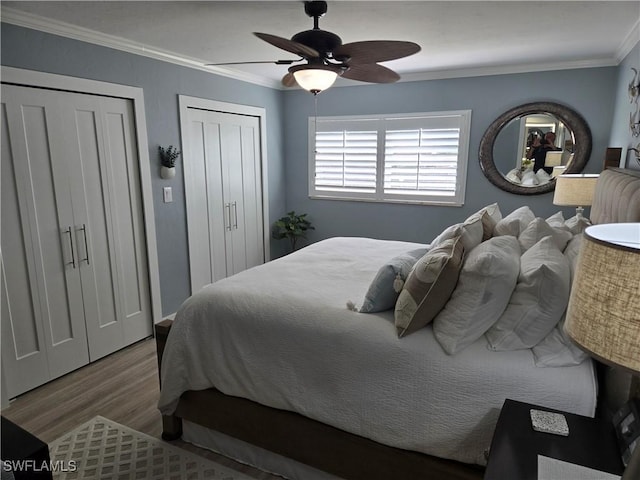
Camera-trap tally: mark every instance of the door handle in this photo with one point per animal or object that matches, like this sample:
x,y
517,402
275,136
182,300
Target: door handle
x,y
227,206
73,258
235,215
86,246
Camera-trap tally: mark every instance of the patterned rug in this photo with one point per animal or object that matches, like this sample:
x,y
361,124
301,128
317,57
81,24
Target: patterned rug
x,y
103,449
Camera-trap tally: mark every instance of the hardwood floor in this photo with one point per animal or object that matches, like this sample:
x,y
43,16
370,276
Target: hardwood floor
x,y
122,387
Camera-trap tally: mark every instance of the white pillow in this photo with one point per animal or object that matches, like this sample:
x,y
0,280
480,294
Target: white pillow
x,y
529,179
556,220
491,215
538,229
558,350
577,224
515,222
487,279
571,253
538,301
514,176
542,176
471,232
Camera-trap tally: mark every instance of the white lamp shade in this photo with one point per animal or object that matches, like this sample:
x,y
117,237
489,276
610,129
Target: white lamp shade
x,y
315,79
575,190
603,316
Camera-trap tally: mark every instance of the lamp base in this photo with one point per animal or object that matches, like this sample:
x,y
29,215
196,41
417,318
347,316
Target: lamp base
x,y
632,472
579,211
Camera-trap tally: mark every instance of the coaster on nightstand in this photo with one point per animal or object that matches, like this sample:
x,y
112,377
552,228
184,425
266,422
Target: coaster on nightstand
x,y
549,422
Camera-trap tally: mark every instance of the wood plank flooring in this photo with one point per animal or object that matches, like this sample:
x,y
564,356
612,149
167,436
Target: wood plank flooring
x,y
122,387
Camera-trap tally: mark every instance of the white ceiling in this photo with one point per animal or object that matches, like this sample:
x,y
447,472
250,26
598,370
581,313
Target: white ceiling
x,y
458,38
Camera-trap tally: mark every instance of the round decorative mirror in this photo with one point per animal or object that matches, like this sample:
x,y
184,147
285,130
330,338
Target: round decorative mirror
x,y
525,148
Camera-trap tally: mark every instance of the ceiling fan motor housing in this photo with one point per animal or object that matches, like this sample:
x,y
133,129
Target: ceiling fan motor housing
x,y
319,40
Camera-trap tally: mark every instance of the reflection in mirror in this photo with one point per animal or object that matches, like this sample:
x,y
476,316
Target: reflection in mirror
x,y
530,143
528,146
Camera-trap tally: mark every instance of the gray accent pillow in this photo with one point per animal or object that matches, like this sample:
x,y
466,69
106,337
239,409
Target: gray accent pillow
x,y
382,295
429,286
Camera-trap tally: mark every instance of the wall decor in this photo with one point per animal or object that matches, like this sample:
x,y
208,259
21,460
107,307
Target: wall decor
x,y
168,159
634,95
508,140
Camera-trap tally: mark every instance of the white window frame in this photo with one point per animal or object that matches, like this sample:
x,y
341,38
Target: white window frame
x,y
383,123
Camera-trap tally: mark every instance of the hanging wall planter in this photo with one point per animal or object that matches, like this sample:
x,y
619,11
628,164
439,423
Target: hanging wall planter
x,y
167,172
168,159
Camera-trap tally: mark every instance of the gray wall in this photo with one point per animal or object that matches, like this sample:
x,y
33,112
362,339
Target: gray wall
x,y
162,83
591,92
620,131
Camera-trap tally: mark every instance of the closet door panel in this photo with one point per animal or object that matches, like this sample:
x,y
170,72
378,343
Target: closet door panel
x,y
91,229
219,215
38,141
24,352
60,298
207,214
126,206
231,142
113,264
222,171
252,194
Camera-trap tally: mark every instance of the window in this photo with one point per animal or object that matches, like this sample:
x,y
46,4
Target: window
x,y
416,158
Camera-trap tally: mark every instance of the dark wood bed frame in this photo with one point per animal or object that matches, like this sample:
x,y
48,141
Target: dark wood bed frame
x,y
340,453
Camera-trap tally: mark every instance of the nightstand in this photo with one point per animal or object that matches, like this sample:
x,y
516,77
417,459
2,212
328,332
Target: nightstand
x,y
515,446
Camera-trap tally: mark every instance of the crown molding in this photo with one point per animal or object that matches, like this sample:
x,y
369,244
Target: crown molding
x,y
56,27
508,69
629,43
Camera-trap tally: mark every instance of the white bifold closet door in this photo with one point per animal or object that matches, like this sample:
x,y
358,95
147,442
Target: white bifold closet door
x,y
74,269
224,195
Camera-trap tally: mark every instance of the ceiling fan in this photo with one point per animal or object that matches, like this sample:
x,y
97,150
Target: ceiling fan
x,y
327,57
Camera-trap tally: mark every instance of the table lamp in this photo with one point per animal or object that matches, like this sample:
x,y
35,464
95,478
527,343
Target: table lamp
x,y
575,190
603,316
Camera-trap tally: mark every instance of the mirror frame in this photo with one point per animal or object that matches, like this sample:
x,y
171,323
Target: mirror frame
x,y
572,119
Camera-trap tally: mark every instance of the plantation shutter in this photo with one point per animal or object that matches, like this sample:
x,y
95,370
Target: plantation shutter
x,y
346,160
422,160
419,158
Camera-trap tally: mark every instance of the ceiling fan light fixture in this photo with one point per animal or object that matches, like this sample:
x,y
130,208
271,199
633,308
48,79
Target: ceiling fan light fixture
x,y
314,78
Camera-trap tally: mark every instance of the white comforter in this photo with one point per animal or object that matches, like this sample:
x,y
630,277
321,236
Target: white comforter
x,y
280,334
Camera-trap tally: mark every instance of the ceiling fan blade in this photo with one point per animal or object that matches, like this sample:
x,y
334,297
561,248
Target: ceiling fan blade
x,y
372,73
275,62
288,45
375,51
289,80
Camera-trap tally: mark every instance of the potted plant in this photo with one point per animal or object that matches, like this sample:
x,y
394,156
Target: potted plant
x,y
168,159
292,227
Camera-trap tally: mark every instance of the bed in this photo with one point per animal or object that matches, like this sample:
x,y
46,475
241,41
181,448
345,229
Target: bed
x,y
273,358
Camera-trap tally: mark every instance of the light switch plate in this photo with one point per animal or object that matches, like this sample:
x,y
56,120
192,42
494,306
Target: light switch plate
x,y
167,195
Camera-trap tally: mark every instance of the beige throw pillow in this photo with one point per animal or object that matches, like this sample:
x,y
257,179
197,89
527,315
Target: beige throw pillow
x,y
429,286
538,301
487,279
